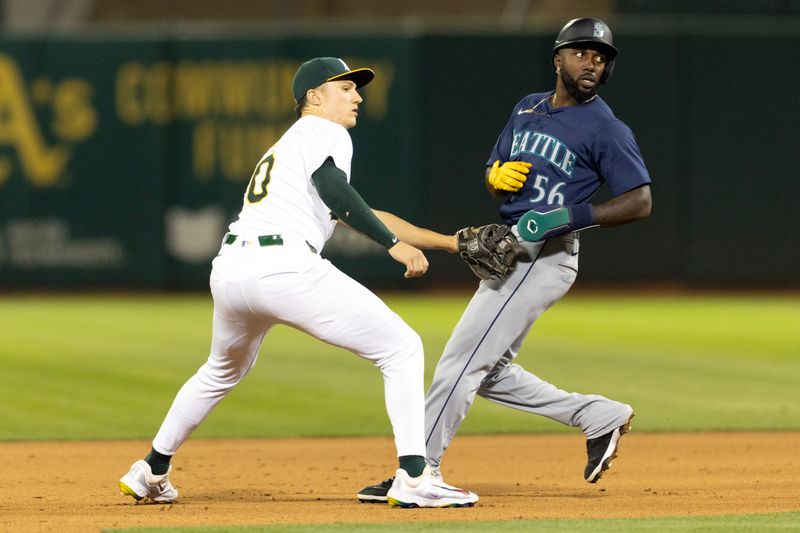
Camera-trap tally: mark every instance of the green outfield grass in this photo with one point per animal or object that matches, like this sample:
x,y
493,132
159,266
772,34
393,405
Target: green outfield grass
x,y
726,524
107,367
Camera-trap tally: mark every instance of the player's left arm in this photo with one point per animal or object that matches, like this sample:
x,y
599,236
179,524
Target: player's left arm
x,y
627,207
547,222
618,159
422,238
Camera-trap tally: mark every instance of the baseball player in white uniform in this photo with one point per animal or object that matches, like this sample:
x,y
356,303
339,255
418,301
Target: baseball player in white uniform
x,y
269,272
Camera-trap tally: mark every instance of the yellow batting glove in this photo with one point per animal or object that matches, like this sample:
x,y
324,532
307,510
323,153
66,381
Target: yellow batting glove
x,y
510,176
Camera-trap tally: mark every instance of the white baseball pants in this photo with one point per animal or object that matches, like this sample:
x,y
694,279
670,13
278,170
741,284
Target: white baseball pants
x,y
255,288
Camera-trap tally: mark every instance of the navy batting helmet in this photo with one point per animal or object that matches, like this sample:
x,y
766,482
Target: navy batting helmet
x,y
590,33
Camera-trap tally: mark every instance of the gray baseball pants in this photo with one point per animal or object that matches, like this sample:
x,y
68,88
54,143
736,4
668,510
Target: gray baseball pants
x,y
478,358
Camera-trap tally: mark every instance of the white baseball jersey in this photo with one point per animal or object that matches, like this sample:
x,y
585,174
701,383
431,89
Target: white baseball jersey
x,y
256,287
281,199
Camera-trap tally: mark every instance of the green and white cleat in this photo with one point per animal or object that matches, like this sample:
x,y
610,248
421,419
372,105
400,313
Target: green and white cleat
x,y
141,484
427,490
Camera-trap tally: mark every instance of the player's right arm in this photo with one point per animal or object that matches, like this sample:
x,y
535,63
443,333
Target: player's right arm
x,y
351,209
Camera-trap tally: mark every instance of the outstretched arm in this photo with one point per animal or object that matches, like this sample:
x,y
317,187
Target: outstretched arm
x,y
419,237
490,251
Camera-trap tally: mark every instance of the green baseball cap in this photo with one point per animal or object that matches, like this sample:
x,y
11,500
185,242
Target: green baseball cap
x,y
319,70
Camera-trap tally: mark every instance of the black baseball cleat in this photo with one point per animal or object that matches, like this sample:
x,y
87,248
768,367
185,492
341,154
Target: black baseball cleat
x,y
602,450
375,493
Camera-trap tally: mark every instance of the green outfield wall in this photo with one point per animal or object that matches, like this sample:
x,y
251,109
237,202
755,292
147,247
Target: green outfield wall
x,y
122,160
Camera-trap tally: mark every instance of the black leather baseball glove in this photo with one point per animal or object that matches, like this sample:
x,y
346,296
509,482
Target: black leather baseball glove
x,y
490,250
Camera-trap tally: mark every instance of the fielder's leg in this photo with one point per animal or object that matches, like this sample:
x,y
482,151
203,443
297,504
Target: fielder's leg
x,y
236,336
338,310
346,314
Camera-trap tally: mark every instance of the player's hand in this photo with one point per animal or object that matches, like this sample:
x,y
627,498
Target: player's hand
x,y
415,261
510,176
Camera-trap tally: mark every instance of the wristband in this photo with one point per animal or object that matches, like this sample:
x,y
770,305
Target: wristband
x,y
581,216
551,221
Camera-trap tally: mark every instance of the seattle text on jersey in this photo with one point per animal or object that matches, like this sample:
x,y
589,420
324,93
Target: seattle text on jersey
x,y
544,146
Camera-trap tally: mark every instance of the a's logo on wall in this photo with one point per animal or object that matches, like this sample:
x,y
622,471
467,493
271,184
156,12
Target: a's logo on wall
x,y
193,236
40,124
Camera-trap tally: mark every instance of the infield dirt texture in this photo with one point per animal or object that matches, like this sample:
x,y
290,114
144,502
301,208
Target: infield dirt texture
x,y
70,487
85,382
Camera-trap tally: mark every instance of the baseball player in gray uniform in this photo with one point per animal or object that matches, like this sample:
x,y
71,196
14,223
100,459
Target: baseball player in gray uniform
x,y
269,272
555,152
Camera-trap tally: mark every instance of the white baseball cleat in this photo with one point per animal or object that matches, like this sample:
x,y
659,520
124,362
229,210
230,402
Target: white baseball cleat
x,y
142,484
427,490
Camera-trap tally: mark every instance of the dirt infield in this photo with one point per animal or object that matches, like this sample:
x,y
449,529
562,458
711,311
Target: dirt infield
x,y
72,486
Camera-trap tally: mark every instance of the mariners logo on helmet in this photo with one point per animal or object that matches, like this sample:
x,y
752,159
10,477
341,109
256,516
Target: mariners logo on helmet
x,y
599,29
